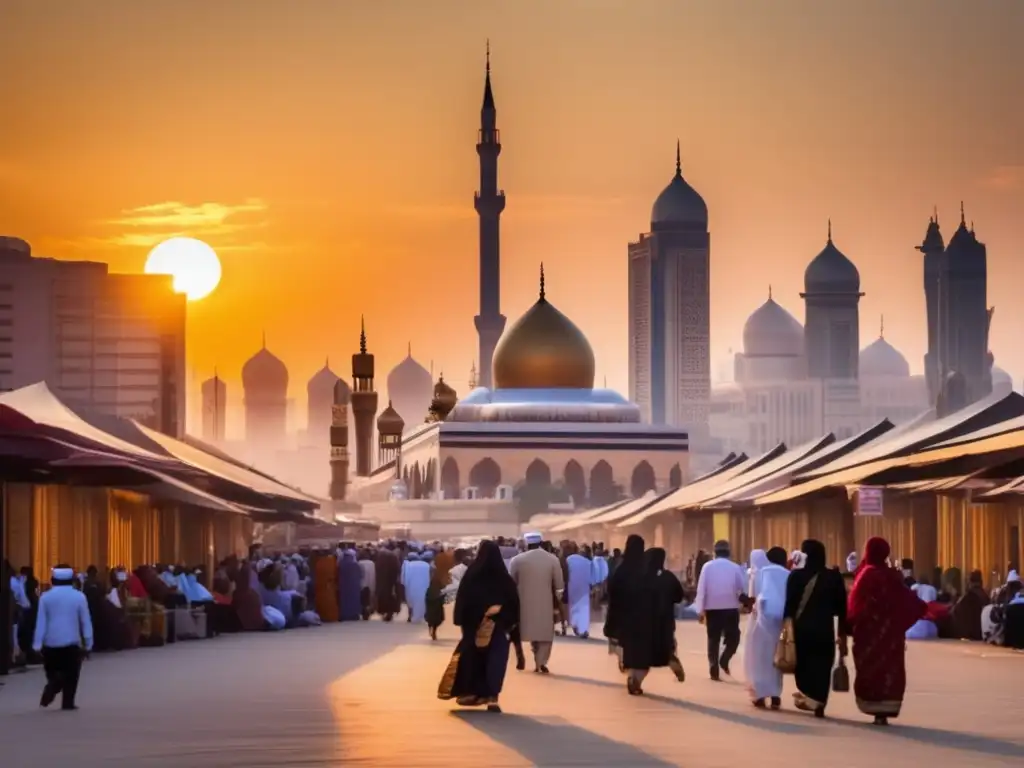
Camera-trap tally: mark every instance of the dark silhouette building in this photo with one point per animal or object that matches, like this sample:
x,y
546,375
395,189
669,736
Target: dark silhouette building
x,y
670,310
832,316
364,405
339,436
214,394
489,203
956,285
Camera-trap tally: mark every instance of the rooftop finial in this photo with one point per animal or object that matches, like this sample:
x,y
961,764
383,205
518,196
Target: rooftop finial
x,y
679,160
769,291
881,327
408,349
542,298
488,55
962,217
362,335
830,229
264,339
327,361
935,214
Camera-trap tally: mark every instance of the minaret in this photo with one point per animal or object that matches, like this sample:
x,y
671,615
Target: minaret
x,y
489,203
339,441
933,249
364,404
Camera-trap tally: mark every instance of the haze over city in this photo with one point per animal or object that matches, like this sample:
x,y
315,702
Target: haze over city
x,y
326,151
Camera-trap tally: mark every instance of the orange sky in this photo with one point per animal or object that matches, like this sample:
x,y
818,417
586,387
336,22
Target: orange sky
x,y
326,150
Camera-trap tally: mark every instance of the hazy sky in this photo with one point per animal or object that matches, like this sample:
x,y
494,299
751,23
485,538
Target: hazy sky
x,y
326,150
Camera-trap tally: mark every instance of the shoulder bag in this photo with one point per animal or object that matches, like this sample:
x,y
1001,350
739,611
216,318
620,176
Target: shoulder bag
x,y
785,650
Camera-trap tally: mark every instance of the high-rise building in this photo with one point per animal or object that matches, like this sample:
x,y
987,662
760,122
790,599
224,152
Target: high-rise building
x,y
670,310
489,203
111,343
214,394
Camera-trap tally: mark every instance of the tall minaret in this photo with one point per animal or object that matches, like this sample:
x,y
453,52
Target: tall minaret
x,y
489,203
339,441
364,404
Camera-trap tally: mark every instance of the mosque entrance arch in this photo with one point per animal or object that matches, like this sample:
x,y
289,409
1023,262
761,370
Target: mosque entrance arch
x,y
450,478
603,490
485,476
575,482
642,480
534,494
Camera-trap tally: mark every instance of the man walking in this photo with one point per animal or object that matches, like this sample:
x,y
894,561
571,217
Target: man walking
x,y
63,629
538,577
721,589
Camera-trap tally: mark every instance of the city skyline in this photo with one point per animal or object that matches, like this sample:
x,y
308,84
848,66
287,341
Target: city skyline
x,y
347,217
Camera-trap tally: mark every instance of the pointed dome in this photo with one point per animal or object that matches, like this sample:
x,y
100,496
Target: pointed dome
x,y
445,397
543,349
880,358
831,271
409,377
323,381
679,204
771,331
389,422
264,371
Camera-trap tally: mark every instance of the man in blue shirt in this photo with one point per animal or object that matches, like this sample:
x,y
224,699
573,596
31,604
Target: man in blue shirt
x,y
63,629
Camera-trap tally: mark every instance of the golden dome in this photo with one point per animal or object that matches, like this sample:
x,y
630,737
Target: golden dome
x,y
390,422
543,350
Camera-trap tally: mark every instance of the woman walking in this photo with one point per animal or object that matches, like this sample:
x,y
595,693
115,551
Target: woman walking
x,y
654,607
880,612
815,598
768,590
440,577
486,609
622,588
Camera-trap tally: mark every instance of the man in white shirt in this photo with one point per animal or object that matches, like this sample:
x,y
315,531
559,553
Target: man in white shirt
x,y
721,591
63,629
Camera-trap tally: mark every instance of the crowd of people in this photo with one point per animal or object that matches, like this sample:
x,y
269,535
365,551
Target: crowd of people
x,y
508,593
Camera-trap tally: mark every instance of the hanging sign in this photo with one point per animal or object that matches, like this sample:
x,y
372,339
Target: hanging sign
x,y
870,501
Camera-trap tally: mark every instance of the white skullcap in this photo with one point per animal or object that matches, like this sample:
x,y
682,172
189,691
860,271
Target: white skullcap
x,y
1012,576
533,538
63,574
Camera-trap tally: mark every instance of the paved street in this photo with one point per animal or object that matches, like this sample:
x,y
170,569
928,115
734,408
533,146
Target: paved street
x,y
364,694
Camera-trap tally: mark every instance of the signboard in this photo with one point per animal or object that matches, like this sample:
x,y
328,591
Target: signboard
x,y
870,501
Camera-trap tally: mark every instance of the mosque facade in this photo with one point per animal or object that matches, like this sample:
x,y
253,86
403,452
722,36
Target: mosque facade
x,y
670,310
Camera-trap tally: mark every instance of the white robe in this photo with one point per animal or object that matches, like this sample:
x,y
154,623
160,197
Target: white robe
x,y
580,581
416,579
768,587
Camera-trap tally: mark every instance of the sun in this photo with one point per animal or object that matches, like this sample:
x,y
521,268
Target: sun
x,y
192,263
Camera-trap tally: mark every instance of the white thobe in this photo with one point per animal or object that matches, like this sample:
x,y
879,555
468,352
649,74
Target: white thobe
x,y
580,581
416,579
768,587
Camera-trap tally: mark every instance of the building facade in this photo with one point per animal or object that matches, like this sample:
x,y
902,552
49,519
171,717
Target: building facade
x,y
112,343
670,311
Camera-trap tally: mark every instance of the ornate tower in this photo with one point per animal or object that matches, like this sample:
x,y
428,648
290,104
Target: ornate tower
x,y
489,203
390,426
339,440
364,404
933,248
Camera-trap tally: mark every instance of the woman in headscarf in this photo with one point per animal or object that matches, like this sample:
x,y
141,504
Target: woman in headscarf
x,y
440,577
486,609
623,588
815,598
350,587
967,611
880,612
768,590
654,607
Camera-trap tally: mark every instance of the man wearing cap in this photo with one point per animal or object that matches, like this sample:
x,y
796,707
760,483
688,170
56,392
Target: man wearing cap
x,y
721,590
538,576
63,629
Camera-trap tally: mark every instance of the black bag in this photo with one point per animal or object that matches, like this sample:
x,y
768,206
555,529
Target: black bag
x,y
841,677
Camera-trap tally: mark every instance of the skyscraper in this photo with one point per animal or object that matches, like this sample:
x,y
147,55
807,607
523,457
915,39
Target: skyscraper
x,y
215,408
670,310
489,203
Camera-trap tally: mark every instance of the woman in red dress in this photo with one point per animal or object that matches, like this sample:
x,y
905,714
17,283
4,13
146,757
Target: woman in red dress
x,y
881,610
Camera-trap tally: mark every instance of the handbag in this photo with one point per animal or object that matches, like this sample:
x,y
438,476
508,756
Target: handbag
x,y
841,677
785,650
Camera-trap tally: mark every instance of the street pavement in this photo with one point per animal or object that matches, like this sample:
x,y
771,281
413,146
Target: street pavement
x,y
365,694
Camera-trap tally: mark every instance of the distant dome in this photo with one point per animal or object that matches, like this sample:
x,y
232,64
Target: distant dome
x,y
880,358
264,371
409,377
543,350
679,204
772,332
831,271
390,422
322,383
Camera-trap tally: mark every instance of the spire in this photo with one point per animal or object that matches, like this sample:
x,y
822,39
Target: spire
x,y
679,160
769,291
830,230
362,335
327,361
264,339
542,298
488,94
408,349
881,328
963,222
935,214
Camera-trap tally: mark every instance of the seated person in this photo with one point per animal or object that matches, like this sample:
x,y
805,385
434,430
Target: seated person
x,y
967,610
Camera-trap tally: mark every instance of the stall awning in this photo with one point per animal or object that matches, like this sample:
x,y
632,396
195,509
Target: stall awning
x,y
580,519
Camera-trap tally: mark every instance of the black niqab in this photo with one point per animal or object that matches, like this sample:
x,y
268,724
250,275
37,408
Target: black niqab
x,y
486,582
